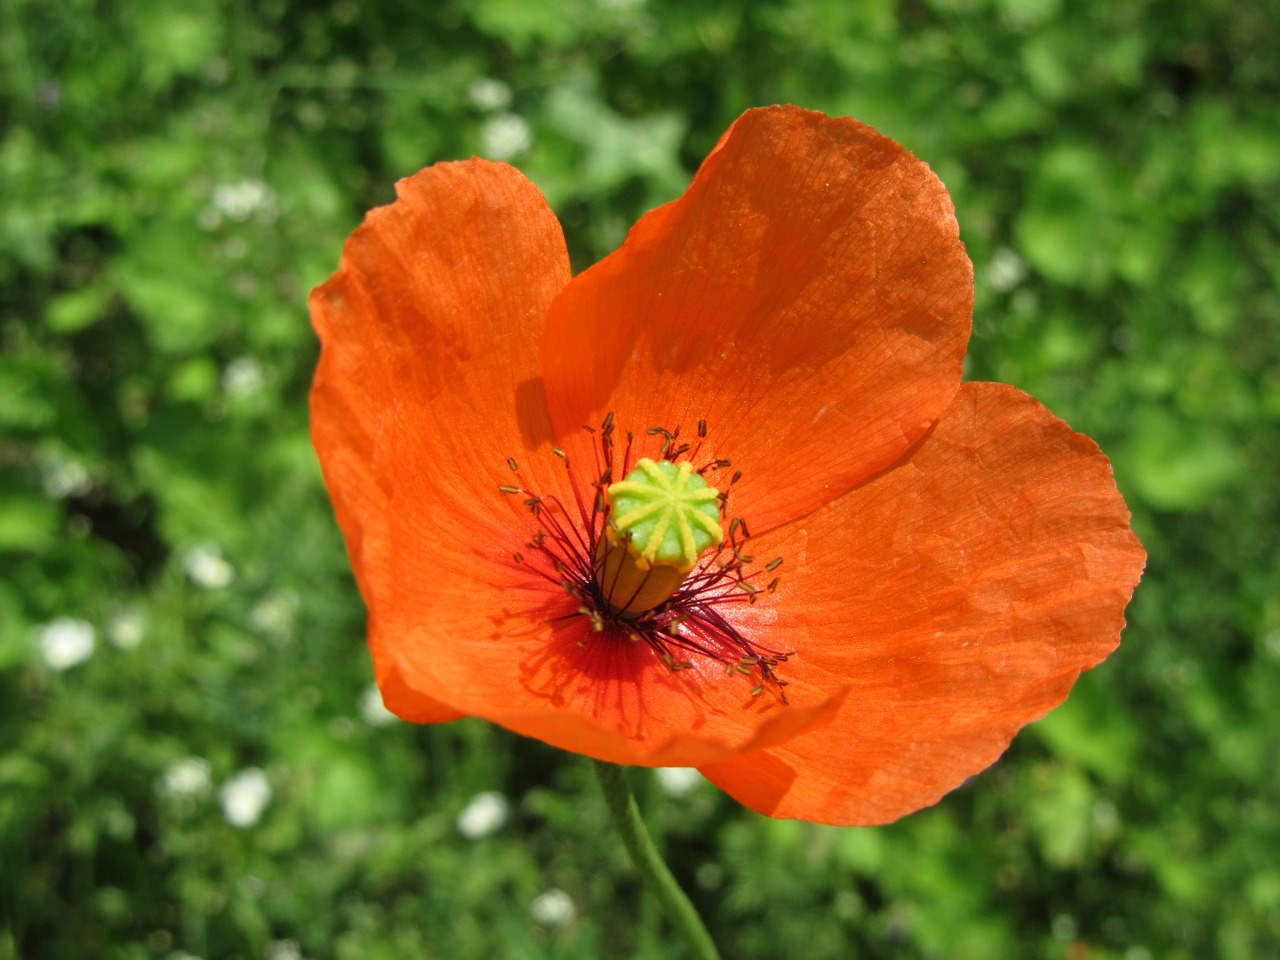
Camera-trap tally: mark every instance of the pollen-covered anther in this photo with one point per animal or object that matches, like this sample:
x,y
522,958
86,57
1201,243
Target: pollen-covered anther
x,y
662,517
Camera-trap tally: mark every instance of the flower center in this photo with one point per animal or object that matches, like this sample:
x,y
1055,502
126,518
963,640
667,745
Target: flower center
x,y
662,517
648,559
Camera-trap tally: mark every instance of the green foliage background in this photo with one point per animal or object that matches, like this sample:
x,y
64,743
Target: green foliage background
x,y
174,177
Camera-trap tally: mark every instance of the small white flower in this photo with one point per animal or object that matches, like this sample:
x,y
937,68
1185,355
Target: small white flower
x,y
283,950
1065,928
244,797
484,815
274,613
239,201
186,778
1006,270
206,568
48,95
709,876
65,642
1106,818
234,249
63,476
487,93
243,377
372,709
126,629
677,782
209,219
505,136
554,908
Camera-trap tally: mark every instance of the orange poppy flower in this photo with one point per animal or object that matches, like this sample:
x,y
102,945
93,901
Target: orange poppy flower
x,y
793,328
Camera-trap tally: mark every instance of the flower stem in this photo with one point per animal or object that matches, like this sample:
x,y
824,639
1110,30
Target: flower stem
x,y
657,875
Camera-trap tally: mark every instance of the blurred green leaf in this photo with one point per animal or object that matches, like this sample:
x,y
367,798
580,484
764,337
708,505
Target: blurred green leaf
x,y
77,309
1094,730
27,522
1176,465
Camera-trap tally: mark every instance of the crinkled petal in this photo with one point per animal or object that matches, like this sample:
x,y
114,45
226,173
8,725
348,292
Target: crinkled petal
x,y
429,379
959,595
428,382
808,297
599,693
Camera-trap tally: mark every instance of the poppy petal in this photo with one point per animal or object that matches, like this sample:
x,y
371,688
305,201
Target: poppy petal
x,y
959,594
808,296
429,378
428,382
595,693
406,702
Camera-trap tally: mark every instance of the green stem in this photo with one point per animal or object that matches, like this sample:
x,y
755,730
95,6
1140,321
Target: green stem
x,y
657,876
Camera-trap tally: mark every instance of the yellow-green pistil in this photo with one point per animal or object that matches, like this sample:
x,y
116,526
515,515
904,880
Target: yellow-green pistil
x,y
662,517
